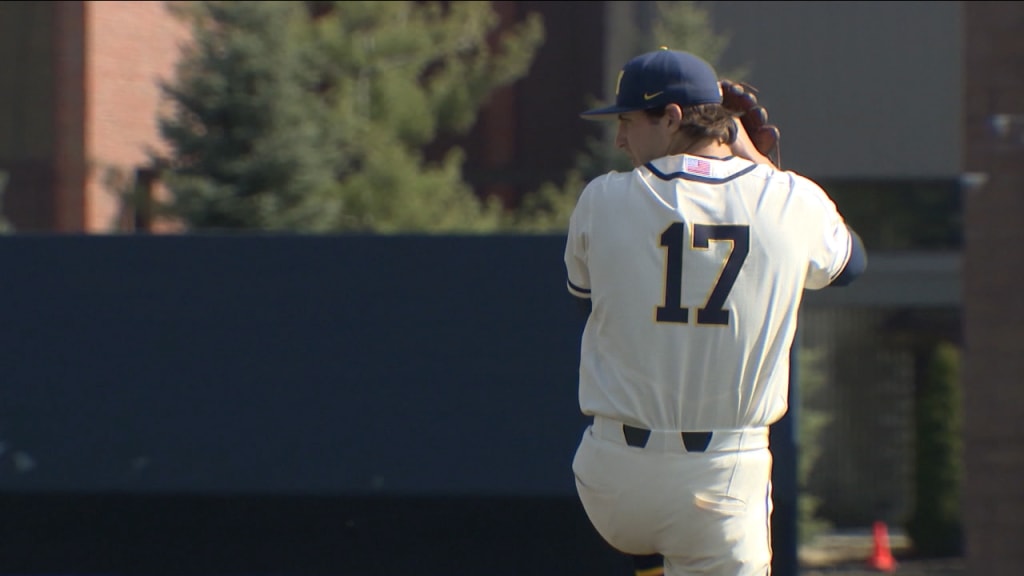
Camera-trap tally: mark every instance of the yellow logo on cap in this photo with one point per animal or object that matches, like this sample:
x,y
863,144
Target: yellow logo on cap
x,y
618,81
655,95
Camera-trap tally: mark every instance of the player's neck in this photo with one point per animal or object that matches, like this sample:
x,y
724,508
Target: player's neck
x,y
709,147
713,149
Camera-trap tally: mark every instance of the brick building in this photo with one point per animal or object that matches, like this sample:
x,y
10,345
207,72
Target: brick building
x,y
79,100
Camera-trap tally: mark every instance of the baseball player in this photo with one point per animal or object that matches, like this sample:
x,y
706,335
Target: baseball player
x,y
691,268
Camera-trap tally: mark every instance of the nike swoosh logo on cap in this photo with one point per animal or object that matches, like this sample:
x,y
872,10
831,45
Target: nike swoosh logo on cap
x,y
655,95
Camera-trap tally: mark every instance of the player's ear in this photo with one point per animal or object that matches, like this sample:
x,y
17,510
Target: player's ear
x,y
674,114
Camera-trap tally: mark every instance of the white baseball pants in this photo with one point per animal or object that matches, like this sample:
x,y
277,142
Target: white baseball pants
x,y
707,513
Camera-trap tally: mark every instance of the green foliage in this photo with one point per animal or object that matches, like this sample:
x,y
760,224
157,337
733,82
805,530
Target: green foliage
x,y
811,424
286,121
935,524
688,26
683,26
547,210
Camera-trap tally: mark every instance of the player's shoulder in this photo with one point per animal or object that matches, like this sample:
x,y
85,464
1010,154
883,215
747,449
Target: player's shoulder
x,y
608,183
800,182
800,187
594,190
610,180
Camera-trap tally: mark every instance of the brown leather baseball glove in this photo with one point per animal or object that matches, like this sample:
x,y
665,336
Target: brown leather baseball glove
x,y
740,98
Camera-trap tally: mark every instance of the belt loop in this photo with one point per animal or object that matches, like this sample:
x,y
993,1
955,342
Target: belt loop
x,y
636,437
696,441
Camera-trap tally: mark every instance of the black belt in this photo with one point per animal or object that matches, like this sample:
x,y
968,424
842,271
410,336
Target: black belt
x,y
694,441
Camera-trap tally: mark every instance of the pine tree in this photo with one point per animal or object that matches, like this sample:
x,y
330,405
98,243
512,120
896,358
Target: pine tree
x,y
313,116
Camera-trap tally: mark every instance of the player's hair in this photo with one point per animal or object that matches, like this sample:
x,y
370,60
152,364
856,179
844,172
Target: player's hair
x,y
703,121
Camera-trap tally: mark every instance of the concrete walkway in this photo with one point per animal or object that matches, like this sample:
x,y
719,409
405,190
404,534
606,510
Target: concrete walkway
x,y
847,552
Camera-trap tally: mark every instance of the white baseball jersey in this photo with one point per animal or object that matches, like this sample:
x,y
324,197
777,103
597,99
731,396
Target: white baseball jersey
x,y
695,268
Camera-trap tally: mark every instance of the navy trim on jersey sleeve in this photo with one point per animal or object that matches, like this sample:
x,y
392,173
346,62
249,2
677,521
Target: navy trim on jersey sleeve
x,y
577,291
581,296
695,178
855,264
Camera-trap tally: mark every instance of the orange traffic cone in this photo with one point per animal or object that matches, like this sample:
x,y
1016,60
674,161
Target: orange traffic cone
x,y
881,558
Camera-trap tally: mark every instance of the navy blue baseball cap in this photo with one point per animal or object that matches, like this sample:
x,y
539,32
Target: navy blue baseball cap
x,y
662,77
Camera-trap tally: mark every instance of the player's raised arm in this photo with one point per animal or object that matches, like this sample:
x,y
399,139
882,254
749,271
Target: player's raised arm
x,y
743,147
756,139
855,264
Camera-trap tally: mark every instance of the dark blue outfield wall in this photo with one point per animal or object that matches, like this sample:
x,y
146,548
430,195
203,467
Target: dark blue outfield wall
x,y
286,404
337,405
287,365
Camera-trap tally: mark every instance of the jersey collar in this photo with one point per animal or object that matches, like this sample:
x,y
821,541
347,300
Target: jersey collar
x,y
699,168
